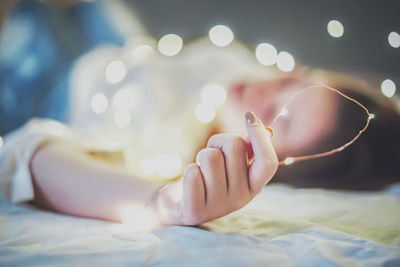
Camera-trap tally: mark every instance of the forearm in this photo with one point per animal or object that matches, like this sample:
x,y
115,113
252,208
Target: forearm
x,y
69,181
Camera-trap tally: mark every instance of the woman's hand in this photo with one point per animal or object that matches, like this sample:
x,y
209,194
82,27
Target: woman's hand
x,y
229,173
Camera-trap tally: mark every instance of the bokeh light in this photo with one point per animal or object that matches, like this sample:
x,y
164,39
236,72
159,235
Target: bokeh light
x,y
388,88
99,103
289,160
142,51
170,44
115,71
394,39
122,118
221,35
266,54
335,28
204,112
213,94
285,61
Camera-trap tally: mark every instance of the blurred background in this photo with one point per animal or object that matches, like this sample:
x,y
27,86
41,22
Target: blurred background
x,y
299,27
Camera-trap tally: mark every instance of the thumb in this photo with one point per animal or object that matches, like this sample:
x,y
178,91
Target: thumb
x,y
265,161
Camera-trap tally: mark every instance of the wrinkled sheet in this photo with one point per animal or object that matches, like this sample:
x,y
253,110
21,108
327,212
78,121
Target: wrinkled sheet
x,y
281,227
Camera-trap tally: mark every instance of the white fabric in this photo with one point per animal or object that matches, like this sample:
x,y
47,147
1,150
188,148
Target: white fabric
x,y
19,146
280,227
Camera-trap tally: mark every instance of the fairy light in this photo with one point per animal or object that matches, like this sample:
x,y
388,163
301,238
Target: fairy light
x,y
284,112
170,44
99,103
288,160
142,51
335,28
266,54
285,61
370,116
388,88
115,71
213,94
394,39
204,112
221,35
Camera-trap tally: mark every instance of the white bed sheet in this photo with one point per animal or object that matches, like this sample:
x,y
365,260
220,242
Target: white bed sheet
x,y
280,227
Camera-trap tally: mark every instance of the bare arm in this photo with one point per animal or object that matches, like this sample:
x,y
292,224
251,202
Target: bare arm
x,y
69,181
229,173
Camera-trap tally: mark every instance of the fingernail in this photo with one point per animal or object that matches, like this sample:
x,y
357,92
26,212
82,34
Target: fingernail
x,y
250,118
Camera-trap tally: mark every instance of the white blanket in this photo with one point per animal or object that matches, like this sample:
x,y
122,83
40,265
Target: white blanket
x,y
280,227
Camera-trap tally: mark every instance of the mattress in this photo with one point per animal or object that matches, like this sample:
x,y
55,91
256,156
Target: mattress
x,y
282,226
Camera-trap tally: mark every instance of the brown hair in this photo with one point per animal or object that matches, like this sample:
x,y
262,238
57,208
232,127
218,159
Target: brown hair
x,y
371,163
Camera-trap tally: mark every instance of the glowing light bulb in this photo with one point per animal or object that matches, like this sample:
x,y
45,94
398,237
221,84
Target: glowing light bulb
x,y
335,28
213,94
284,112
266,54
170,44
285,61
221,35
289,160
1,142
394,39
122,118
99,103
388,88
371,116
142,51
204,112
115,71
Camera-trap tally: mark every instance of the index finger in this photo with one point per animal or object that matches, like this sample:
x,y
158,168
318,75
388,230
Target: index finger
x,y
265,161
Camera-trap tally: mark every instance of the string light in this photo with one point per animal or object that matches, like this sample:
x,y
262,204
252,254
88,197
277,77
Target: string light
x,y
285,61
394,39
221,35
335,28
204,112
290,160
388,88
170,44
99,103
266,54
115,71
213,94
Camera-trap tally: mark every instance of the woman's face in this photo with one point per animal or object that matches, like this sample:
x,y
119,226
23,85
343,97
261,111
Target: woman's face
x,y
310,116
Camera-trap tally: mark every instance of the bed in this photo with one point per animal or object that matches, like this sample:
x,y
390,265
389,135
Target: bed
x,y
282,226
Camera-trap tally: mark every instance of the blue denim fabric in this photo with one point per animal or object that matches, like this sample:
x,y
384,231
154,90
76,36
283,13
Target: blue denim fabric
x,y
38,46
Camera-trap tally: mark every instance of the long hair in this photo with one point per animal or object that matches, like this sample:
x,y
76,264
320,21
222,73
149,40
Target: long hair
x,y
371,163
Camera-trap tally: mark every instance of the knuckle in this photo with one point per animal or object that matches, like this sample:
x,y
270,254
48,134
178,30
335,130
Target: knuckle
x,y
237,145
214,139
192,171
210,156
